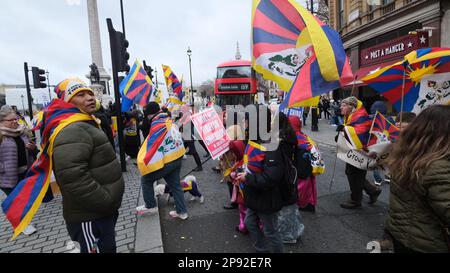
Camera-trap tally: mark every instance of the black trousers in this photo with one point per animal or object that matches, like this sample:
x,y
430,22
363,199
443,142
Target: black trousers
x,y
96,236
358,182
203,145
193,151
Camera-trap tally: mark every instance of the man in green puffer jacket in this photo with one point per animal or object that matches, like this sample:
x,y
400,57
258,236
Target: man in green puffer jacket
x,y
88,174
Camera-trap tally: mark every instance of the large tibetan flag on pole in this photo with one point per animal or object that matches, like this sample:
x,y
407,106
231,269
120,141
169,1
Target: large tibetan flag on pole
x,y
174,84
296,50
136,87
420,80
24,201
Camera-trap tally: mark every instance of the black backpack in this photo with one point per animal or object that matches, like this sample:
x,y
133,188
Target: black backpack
x,y
302,162
289,182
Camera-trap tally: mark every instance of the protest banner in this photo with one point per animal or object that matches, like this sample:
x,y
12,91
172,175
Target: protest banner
x,y
211,130
360,158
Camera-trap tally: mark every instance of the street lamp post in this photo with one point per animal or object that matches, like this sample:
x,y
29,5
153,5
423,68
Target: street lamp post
x,y
48,84
189,53
23,105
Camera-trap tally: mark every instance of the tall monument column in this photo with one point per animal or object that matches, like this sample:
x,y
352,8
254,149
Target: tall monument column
x,y
96,49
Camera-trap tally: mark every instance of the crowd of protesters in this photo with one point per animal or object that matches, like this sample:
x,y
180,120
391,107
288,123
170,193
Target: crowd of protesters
x,y
271,188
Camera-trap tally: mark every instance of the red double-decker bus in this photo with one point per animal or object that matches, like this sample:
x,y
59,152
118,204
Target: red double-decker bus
x,y
235,83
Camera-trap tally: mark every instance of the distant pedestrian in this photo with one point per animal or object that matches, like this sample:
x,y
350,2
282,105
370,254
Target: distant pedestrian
x,y
419,214
87,172
105,122
132,134
305,115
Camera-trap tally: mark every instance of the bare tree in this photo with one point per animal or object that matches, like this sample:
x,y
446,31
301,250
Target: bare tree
x,y
206,89
320,9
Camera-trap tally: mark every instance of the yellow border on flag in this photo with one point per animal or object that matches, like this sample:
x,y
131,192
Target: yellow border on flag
x,y
321,44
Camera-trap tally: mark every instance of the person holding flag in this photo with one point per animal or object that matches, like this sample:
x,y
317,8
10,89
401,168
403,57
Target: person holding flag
x,y
356,127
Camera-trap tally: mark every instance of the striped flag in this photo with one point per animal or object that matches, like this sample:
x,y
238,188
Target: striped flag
x,y
420,80
174,84
299,52
21,205
383,130
137,87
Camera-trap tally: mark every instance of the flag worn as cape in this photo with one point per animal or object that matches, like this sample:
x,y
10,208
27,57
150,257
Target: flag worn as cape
x,y
21,205
162,145
357,126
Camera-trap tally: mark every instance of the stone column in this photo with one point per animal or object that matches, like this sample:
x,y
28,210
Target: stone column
x,y
96,45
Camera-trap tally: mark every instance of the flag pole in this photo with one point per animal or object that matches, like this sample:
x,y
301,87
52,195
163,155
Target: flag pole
x,y
403,95
353,86
371,127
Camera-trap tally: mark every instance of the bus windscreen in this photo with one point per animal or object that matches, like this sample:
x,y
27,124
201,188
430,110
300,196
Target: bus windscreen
x,y
234,72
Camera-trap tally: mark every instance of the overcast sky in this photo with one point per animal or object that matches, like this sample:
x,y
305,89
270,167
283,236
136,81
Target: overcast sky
x,y
54,35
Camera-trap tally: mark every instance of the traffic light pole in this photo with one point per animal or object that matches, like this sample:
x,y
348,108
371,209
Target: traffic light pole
x,y
117,94
29,98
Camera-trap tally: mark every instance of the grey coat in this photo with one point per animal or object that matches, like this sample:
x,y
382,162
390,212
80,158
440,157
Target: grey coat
x,y
8,161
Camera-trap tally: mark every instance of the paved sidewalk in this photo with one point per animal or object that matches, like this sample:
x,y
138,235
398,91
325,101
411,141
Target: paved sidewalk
x,y
325,135
133,234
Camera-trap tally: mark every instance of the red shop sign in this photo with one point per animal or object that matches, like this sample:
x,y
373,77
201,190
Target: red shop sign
x,y
394,49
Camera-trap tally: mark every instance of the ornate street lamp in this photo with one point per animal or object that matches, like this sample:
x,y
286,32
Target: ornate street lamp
x,y
189,53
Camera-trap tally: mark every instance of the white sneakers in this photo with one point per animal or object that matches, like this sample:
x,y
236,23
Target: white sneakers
x,y
141,210
30,229
201,199
182,216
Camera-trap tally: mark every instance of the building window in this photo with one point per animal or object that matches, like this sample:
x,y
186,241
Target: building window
x,y
388,6
341,13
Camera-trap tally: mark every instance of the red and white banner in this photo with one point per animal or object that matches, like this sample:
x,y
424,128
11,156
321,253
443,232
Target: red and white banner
x,y
210,128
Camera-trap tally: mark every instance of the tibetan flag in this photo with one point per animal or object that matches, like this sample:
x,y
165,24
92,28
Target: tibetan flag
x,y
421,79
21,205
299,52
305,142
174,84
162,145
37,121
254,156
357,127
383,130
137,86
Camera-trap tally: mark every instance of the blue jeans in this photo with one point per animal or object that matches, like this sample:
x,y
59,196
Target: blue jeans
x,y
377,176
171,174
270,227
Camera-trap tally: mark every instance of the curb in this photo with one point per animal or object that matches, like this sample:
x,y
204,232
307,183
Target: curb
x,y
148,232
